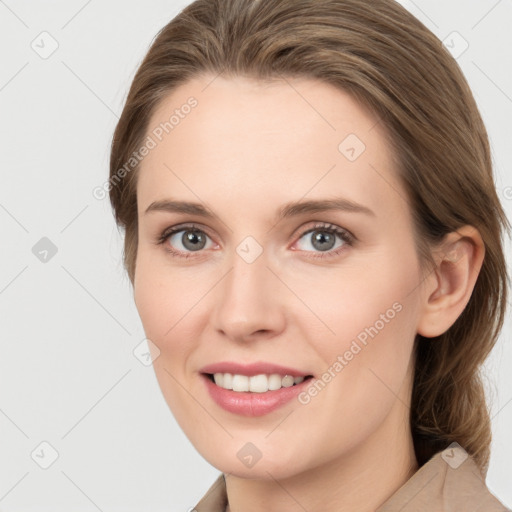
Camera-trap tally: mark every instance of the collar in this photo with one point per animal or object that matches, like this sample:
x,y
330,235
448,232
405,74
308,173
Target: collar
x,y
449,481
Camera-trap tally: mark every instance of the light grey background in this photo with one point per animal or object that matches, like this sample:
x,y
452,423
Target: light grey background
x,y
68,328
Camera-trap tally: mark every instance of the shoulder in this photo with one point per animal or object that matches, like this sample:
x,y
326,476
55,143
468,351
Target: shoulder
x,y
215,499
449,481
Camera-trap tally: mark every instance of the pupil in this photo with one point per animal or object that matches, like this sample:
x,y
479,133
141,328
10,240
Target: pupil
x,y
193,240
320,239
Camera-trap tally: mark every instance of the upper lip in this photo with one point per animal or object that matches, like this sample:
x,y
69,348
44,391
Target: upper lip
x,y
252,369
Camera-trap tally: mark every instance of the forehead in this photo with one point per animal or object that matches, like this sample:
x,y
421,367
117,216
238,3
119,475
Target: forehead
x,y
223,139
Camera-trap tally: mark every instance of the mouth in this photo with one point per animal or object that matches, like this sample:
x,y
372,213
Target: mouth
x,y
262,383
254,395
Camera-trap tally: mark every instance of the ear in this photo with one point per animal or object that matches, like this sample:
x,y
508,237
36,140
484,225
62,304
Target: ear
x,y
448,288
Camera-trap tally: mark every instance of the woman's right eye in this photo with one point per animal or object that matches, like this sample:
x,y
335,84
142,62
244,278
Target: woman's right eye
x,y
183,241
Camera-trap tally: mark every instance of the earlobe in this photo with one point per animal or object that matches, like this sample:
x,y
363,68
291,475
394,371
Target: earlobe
x,y
449,287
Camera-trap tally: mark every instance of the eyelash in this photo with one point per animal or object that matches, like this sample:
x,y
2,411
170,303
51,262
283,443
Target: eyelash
x,y
345,236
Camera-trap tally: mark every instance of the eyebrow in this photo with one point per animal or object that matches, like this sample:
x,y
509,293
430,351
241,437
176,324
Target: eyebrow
x,y
288,210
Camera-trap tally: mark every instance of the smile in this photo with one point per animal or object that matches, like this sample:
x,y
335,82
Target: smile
x,y
256,383
254,403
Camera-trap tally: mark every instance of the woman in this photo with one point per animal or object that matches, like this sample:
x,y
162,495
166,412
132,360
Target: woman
x,y
314,241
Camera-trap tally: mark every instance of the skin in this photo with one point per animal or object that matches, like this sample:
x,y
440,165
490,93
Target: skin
x,y
244,151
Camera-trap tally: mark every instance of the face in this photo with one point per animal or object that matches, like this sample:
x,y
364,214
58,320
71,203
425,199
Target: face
x,y
276,275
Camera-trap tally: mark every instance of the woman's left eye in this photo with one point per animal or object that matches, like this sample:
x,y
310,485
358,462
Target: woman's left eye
x,y
321,238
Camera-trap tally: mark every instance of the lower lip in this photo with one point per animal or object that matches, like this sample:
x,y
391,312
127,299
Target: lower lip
x,y
253,404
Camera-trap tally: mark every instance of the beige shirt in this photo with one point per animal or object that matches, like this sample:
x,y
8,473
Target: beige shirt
x,y
443,484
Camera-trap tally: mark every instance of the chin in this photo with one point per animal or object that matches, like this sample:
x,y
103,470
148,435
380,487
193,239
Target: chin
x,y
244,459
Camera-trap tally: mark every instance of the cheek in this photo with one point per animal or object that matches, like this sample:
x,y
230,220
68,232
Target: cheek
x,y
367,358
368,325
345,302
163,307
172,305
159,299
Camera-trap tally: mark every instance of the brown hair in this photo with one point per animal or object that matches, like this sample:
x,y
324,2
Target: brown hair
x,y
389,61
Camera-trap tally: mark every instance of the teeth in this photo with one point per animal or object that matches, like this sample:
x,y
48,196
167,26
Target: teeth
x,y
240,383
257,383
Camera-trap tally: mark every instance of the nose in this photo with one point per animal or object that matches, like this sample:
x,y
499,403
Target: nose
x,y
249,303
